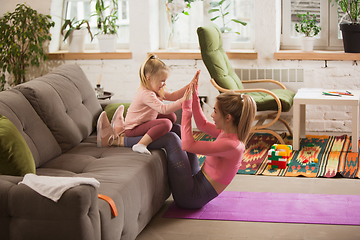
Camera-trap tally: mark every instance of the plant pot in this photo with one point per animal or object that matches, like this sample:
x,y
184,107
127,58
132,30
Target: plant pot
x,y
307,44
77,40
351,37
107,42
226,37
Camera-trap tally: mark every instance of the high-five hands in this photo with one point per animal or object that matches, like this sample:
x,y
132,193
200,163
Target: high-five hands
x,y
191,87
195,80
189,92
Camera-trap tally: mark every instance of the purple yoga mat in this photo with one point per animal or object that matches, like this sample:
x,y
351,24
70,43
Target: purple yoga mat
x,y
276,207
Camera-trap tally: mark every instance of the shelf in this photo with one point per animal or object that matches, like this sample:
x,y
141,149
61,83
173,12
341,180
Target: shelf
x,y
89,55
185,54
196,55
316,55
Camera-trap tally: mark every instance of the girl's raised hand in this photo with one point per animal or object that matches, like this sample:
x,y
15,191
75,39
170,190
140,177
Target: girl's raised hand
x,y
188,93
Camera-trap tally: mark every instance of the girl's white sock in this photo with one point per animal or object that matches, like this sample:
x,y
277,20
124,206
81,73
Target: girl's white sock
x,y
141,148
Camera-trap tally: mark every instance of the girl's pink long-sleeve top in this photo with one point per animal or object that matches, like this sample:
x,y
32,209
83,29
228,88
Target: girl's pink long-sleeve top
x,y
146,106
223,156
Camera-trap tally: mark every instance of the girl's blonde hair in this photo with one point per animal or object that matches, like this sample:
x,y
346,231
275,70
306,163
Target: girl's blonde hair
x,y
152,66
242,108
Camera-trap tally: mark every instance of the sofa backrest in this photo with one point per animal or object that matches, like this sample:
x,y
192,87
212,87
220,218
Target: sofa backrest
x,y
37,135
66,102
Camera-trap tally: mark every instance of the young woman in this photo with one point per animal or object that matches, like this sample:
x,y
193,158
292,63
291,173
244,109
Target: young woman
x,y
147,115
193,187
233,116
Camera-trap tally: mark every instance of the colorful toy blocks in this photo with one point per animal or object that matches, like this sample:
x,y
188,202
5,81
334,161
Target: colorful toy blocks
x,y
311,162
279,156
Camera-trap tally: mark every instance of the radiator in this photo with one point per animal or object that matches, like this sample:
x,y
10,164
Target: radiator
x,y
281,75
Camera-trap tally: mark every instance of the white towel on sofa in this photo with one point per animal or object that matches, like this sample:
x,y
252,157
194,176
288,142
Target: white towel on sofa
x,y
54,187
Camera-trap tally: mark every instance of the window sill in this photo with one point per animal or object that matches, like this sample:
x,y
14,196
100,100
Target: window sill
x,y
316,55
162,54
196,55
90,55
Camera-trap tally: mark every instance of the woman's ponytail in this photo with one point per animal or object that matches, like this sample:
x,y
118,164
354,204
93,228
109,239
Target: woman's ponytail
x,y
247,117
242,108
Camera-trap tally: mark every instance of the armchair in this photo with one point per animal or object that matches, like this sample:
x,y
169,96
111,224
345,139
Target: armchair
x,y
270,102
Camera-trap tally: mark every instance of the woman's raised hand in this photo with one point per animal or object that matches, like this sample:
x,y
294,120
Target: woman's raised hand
x,y
195,80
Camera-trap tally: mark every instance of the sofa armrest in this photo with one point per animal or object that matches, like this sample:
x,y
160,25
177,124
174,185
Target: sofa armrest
x,y
25,214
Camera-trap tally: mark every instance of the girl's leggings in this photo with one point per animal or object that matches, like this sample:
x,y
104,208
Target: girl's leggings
x,y
189,186
154,128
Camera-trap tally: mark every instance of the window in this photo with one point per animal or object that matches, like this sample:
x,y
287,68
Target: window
x,y
83,9
328,39
198,16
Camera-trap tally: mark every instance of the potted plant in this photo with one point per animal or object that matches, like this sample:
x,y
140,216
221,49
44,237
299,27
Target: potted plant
x,y
221,9
106,23
22,37
76,33
308,26
350,24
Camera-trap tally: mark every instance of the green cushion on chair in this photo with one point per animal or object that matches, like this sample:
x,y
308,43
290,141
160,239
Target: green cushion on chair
x,y
215,58
16,158
111,108
266,102
220,69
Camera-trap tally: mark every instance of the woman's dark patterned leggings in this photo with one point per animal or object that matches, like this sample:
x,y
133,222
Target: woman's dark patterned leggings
x,y
189,186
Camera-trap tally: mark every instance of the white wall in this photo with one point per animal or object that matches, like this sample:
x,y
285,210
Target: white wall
x,y
121,76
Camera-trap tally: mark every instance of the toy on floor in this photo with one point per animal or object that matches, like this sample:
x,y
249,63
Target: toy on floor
x,y
279,156
311,162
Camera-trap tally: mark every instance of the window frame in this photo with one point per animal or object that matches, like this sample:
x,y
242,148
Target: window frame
x,y
163,26
94,45
328,39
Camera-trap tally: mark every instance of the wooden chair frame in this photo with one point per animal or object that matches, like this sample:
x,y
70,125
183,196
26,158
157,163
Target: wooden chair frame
x,y
261,118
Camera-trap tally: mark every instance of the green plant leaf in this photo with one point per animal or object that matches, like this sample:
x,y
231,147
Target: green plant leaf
x,y
221,2
227,6
238,21
213,19
214,10
214,4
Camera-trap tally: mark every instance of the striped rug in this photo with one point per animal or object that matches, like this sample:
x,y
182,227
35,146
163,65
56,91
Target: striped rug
x,y
334,155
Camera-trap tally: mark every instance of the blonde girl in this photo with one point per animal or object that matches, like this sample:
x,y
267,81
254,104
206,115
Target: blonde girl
x,y
147,115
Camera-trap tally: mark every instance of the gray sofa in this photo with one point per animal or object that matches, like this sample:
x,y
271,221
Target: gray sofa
x,y
56,114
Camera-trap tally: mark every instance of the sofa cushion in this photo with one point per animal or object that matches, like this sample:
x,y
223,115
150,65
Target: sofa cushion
x,y
38,137
111,108
66,102
15,156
